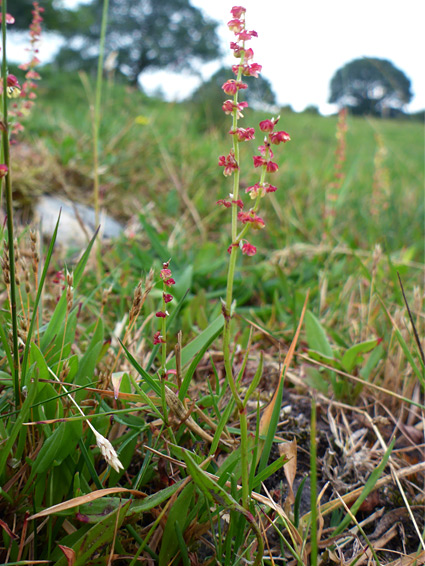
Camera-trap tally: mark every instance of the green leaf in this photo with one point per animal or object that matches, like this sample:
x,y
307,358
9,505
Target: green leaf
x,y
154,500
151,381
209,339
57,447
176,516
58,316
316,336
97,537
17,427
37,302
271,430
267,472
353,355
419,374
88,361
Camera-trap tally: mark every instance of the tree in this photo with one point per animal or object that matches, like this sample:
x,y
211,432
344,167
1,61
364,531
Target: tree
x,y
371,86
144,34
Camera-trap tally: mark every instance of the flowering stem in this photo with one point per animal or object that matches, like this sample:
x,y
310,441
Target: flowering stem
x,y
96,123
9,209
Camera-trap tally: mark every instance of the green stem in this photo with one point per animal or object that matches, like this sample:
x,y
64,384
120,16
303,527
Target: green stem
x,y
243,421
313,485
96,120
9,209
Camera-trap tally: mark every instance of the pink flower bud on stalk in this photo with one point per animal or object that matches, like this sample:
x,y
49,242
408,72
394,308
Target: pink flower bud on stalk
x,y
25,94
230,162
247,219
160,337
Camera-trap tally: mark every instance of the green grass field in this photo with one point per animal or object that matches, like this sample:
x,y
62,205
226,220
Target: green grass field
x,y
356,352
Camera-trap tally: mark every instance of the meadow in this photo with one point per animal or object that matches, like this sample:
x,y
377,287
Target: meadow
x,y
117,447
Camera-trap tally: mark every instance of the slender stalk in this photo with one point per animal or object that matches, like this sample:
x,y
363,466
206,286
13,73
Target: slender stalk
x,y
96,121
9,209
313,483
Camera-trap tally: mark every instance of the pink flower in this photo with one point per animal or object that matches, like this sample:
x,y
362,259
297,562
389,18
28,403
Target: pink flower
x,y
249,249
231,86
3,171
258,161
161,314
229,106
252,70
253,191
229,249
225,203
238,203
272,167
229,163
264,149
165,273
279,137
249,54
167,297
9,19
169,282
13,81
267,125
235,25
243,134
245,35
157,338
252,218
260,188
32,75
237,11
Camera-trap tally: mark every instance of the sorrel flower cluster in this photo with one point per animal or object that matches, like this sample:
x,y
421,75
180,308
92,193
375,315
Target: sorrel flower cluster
x,y
25,93
167,282
230,162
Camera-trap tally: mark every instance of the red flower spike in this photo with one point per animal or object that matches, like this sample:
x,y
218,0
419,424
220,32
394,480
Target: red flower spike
x,y
167,297
225,203
238,203
161,314
169,282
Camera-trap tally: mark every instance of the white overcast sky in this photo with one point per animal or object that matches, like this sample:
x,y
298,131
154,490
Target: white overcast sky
x,y
301,43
